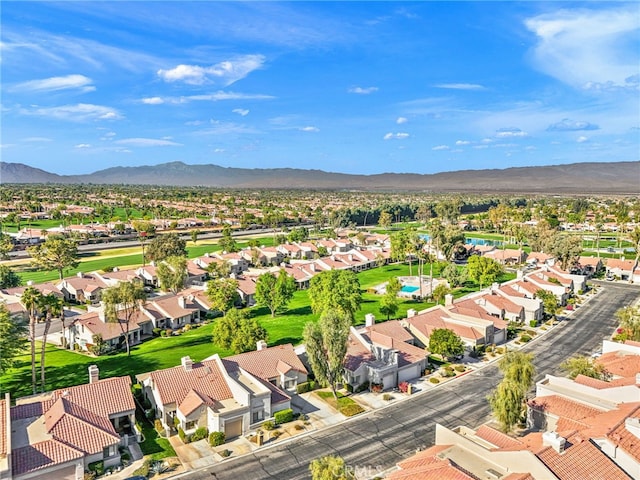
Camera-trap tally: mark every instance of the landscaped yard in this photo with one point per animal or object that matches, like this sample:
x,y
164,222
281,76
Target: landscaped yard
x,y
159,448
344,405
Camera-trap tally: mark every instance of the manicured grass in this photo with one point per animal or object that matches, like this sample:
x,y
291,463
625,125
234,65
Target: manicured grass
x,y
66,368
344,405
154,445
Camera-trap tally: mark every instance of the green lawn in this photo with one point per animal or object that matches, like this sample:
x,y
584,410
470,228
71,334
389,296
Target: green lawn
x,y
158,447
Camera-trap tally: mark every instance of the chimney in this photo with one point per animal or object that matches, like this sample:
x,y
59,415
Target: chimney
x,y
553,440
519,274
632,425
495,286
94,373
152,263
448,300
312,267
187,363
29,283
101,315
233,275
369,320
182,301
411,312
116,269
261,345
79,274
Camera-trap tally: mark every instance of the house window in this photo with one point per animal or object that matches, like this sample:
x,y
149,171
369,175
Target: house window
x,y
289,384
356,380
109,451
190,425
258,416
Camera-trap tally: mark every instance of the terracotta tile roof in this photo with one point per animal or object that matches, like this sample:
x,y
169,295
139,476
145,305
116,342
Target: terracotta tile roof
x,y
3,427
601,384
407,353
391,328
121,275
625,439
192,401
497,438
522,286
79,428
632,342
246,284
589,261
503,304
109,330
44,288
538,256
564,408
170,306
357,353
42,455
92,396
269,362
519,476
427,466
620,364
581,460
173,384
427,322
620,264
511,292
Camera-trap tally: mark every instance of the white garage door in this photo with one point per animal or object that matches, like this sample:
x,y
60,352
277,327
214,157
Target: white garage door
x,y
388,381
233,428
409,373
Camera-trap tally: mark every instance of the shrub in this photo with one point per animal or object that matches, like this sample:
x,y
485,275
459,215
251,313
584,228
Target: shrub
x,y
275,434
158,426
387,397
225,453
499,350
157,331
268,425
136,389
169,332
283,416
525,338
97,468
216,438
376,387
531,333
306,387
351,410
533,323
488,349
159,467
199,434
163,333
183,436
459,368
299,427
89,475
150,413
434,380
186,328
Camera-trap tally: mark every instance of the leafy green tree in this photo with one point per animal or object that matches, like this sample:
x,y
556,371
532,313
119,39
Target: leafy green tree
x,y
326,345
385,219
165,246
453,275
238,333
298,234
227,242
194,235
330,468
549,302
31,299
483,270
223,294
6,245
446,343
219,269
566,249
629,318
9,278
507,402
56,253
13,339
275,292
440,292
393,286
337,290
121,302
518,366
389,305
172,274
50,307
581,365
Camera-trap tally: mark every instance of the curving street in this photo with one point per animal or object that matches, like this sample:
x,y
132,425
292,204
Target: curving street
x,y
376,441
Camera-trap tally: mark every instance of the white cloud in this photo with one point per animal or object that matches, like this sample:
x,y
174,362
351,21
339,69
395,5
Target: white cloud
x,y
241,111
510,132
460,86
399,136
147,142
588,48
401,120
153,100
78,113
463,142
219,150
363,90
440,147
567,125
309,129
224,73
53,84
83,145
582,139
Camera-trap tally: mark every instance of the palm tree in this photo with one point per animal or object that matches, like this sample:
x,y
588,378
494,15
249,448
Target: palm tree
x,y
125,298
51,307
31,300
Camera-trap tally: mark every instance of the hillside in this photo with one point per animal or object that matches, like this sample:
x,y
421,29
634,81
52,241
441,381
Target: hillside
x,y
616,177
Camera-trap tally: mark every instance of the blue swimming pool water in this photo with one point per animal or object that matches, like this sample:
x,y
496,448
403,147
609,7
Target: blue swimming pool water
x,y
409,289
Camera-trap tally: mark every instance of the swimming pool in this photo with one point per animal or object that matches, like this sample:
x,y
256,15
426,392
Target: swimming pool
x,y
409,289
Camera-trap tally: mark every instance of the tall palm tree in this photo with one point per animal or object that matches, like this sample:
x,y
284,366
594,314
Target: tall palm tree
x,y
51,307
31,300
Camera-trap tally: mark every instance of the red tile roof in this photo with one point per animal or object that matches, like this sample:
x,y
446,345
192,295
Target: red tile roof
x,y
42,455
497,438
563,407
624,439
269,362
357,353
427,465
620,363
205,378
92,396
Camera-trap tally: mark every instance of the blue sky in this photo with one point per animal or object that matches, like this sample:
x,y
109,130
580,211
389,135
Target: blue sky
x,y
354,87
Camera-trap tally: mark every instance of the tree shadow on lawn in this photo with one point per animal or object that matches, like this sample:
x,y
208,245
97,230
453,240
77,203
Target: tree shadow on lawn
x,y
285,340
306,310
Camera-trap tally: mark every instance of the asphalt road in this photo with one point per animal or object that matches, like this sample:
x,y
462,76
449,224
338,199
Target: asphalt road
x,y
378,440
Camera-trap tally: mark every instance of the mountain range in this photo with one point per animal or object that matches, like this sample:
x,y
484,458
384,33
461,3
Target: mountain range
x,y
587,177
